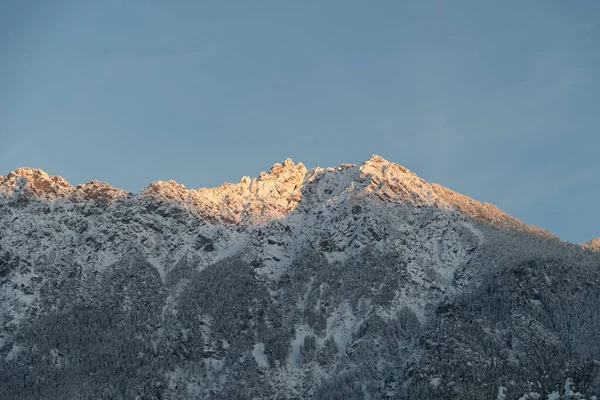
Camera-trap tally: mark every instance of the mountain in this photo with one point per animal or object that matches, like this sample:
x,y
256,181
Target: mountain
x,y
357,281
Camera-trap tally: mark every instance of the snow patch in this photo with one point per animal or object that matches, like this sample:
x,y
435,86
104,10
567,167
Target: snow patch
x,y
341,325
301,332
258,352
501,393
435,382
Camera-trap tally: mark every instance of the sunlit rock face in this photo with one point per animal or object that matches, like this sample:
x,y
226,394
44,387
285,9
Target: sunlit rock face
x,y
26,182
99,192
270,196
355,281
485,212
35,184
592,244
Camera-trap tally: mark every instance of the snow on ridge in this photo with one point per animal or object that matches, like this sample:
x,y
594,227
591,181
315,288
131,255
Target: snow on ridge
x,y
286,188
37,184
271,194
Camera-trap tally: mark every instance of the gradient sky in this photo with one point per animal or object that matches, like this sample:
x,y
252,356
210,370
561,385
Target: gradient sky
x,y
496,100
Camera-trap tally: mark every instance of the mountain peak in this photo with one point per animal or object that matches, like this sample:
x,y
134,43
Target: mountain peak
x,y
392,182
284,169
375,158
25,171
27,183
592,244
30,182
286,165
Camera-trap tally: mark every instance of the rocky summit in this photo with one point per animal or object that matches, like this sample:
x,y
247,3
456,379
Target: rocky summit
x,y
350,282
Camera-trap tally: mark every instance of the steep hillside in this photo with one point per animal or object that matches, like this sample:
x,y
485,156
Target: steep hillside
x,y
358,281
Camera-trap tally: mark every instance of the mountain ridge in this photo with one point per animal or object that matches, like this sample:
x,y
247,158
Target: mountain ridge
x,y
271,195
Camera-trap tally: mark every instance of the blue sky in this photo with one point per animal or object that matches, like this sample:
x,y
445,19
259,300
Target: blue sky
x,y
497,100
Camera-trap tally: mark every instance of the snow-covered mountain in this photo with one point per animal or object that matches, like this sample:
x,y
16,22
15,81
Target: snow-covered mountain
x,y
358,281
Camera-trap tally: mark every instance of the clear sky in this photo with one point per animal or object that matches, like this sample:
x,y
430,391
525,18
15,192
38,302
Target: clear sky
x,y
499,100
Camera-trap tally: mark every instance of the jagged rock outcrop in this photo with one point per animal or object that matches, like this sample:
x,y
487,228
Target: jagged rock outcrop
x,y
35,184
27,183
392,182
269,196
592,244
99,192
